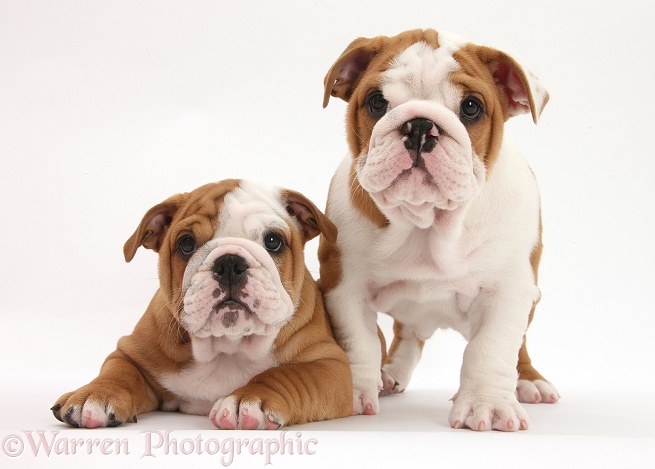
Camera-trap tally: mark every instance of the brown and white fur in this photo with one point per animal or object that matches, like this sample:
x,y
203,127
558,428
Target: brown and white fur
x,y
439,220
237,329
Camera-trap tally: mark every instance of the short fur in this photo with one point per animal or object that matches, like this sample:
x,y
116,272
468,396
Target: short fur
x,y
446,235
293,375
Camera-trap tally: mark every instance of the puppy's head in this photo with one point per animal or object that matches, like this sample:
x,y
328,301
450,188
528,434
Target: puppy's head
x,y
231,261
425,117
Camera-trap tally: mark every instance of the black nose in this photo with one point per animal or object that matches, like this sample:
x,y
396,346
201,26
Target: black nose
x,y
418,139
230,270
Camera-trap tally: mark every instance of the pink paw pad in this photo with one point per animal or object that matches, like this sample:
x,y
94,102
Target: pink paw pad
x,y
271,424
224,422
94,415
248,422
368,410
365,404
90,422
551,399
504,425
481,426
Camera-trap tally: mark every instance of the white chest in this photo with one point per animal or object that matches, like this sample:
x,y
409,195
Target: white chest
x,y
420,256
198,386
430,283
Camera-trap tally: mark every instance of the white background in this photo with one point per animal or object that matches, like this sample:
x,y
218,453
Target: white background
x,y
107,108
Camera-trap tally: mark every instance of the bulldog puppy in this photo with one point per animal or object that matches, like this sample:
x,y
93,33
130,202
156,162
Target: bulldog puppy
x,y
237,329
439,220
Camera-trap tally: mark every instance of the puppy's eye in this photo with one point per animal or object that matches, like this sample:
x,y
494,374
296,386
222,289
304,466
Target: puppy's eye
x,y
186,245
376,105
273,242
471,110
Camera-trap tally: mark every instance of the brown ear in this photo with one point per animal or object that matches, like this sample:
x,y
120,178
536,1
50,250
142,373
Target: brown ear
x,y
525,93
153,227
344,75
312,221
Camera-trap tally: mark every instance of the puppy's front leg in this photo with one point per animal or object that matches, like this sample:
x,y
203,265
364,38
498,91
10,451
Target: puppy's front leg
x,y
117,395
487,395
355,327
288,395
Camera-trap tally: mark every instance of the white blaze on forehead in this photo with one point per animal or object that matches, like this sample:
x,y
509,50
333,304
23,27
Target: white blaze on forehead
x,y
421,72
251,210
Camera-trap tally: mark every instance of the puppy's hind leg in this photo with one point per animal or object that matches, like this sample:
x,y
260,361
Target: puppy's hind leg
x,y
532,387
404,355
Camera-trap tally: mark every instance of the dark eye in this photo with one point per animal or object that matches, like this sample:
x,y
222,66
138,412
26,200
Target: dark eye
x,y
471,110
273,242
186,245
376,105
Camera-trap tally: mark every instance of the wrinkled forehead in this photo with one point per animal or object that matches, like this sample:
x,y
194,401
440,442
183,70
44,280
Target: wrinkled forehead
x,y
249,210
422,71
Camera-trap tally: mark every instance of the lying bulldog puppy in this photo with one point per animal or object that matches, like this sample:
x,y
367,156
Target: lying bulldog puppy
x,y
439,220
237,329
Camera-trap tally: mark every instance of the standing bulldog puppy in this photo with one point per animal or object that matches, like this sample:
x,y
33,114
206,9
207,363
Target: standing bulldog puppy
x,y
439,220
237,329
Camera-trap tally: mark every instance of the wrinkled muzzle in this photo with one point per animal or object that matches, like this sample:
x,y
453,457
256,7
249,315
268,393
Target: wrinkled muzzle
x,y
420,161
234,291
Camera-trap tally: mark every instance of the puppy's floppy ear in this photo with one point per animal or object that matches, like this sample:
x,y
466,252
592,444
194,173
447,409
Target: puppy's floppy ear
x,y
312,221
344,75
153,227
524,92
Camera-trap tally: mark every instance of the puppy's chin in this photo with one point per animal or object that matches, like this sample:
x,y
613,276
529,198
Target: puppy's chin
x,y
252,346
233,319
230,328
413,197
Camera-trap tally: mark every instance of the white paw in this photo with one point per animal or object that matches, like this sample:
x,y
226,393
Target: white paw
x,y
495,410
91,413
365,394
95,415
229,413
392,382
534,392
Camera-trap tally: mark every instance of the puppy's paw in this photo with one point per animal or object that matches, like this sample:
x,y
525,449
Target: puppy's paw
x,y
91,407
393,381
488,411
365,400
534,392
367,384
232,413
